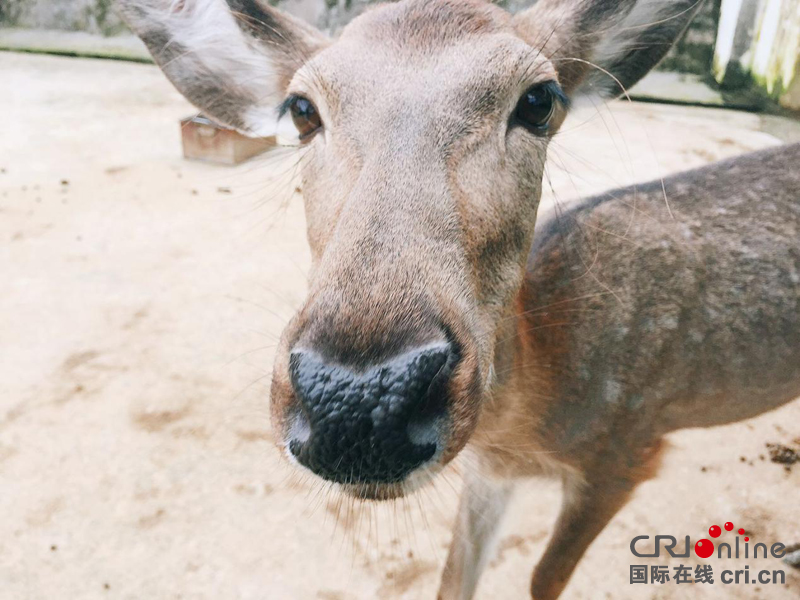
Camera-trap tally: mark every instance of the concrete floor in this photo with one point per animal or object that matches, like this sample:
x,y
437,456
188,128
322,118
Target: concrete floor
x,y
141,299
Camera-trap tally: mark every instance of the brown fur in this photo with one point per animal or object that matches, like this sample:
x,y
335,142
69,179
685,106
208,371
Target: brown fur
x,y
421,199
644,311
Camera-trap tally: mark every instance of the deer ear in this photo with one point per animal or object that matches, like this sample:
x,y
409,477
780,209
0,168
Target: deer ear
x,y
231,58
604,46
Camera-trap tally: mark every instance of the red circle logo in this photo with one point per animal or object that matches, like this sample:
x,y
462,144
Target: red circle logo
x,y
728,526
704,548
714,531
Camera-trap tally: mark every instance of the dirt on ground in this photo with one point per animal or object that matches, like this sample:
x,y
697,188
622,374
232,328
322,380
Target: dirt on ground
x,y
141,299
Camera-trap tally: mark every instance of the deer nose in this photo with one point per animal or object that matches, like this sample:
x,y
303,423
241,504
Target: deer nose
x,y
375,426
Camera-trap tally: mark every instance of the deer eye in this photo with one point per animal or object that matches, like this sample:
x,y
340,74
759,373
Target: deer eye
x,y
304,116
537,105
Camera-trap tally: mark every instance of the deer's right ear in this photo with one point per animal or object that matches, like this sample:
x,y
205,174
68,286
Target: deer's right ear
x,y
231,58
604,46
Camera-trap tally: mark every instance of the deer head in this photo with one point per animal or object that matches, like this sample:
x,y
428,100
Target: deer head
x,y
425,127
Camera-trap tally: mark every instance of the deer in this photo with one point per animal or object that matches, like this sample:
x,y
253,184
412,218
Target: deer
x,y
440,317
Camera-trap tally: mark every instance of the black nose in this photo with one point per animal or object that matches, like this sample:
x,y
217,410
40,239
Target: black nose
x,y
374,426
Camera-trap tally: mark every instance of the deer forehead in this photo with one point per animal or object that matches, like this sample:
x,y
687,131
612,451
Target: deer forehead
x,y
426,24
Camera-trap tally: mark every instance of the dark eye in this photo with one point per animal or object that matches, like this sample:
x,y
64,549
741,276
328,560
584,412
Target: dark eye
x,y
536,107
304,116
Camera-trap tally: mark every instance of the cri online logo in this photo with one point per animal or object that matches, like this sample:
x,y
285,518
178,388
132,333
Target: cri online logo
x,y
704,548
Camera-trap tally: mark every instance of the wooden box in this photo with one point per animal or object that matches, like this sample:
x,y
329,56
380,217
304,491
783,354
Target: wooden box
x,y
205,140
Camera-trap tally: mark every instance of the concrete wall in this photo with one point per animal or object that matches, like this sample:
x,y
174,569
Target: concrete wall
x,y
694,52
94,16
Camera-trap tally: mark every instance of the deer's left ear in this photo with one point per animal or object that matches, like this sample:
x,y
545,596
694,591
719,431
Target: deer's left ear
x,y
604,46
231,58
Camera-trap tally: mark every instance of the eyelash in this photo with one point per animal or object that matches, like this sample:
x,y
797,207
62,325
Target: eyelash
x,y
557,93
283,107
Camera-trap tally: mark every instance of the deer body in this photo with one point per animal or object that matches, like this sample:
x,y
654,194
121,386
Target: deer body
x,y
644,306
429,325
643,311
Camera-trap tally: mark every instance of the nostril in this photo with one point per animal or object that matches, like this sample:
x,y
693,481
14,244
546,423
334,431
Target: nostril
x,y
424,433
425,427
299,432
434,398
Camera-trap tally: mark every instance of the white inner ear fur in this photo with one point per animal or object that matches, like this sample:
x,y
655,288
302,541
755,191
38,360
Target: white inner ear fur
x,y
626,35
624,32
208,30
